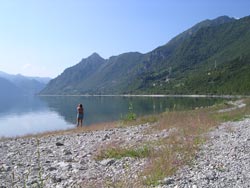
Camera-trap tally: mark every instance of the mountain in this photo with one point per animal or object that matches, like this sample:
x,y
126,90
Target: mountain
x,y
26,85
8,89
74,78
212,57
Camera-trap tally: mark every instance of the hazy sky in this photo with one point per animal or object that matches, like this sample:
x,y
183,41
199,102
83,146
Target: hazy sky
x,y
43,37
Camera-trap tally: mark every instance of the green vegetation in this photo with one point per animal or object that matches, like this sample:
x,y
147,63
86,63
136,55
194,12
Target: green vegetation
x,y
229,78
214,60
39,182
210,58
169,154
181,146
118,153
130,116
166,155
234,115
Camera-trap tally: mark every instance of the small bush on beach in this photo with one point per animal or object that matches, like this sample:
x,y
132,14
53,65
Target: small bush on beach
x,y
118,152
130,116
187,132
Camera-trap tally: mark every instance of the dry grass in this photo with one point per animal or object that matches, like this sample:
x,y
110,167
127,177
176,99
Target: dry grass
x,y
234,115
168,154
92,127
181,146
139,121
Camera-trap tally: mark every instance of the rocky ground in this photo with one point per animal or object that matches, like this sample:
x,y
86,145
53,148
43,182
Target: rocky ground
x,y
224,161
69,160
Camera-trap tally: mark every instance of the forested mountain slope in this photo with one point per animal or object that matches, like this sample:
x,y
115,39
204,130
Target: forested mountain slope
x,y
212,57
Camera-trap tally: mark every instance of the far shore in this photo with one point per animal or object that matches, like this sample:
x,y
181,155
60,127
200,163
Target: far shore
x,y
155,95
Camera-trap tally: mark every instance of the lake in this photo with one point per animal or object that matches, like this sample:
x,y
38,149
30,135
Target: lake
x,y
29,115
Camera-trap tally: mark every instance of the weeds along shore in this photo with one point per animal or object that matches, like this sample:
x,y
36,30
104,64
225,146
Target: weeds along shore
x,y
134,152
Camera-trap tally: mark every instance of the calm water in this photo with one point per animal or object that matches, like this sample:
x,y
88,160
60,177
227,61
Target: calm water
x,y
25,115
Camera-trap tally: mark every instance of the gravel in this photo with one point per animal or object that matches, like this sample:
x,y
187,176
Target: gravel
x,y
224,161
69,160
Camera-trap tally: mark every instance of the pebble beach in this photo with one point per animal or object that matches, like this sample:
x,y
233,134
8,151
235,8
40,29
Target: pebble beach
x,y
70,160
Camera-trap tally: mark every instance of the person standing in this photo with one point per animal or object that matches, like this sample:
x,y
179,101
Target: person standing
x,y
80,115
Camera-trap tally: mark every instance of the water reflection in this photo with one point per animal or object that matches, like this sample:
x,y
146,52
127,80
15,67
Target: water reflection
x,y
21,105
99,109
31,122
28,114
24,115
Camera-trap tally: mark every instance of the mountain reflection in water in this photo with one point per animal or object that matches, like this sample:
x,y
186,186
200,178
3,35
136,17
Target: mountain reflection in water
x,y
33,114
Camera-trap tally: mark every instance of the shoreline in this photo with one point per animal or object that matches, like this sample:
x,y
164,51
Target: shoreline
x,y
103,125
70,160
13,135
67,162
84,128
156,95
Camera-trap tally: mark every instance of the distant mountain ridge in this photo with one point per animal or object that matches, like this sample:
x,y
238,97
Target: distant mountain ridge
x,y
197,61
8,89
24,85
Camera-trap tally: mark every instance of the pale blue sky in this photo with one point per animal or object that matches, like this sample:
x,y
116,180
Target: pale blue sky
x,y
43,37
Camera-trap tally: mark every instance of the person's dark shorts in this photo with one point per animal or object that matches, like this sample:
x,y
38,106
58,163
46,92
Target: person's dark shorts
x,y
80,116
